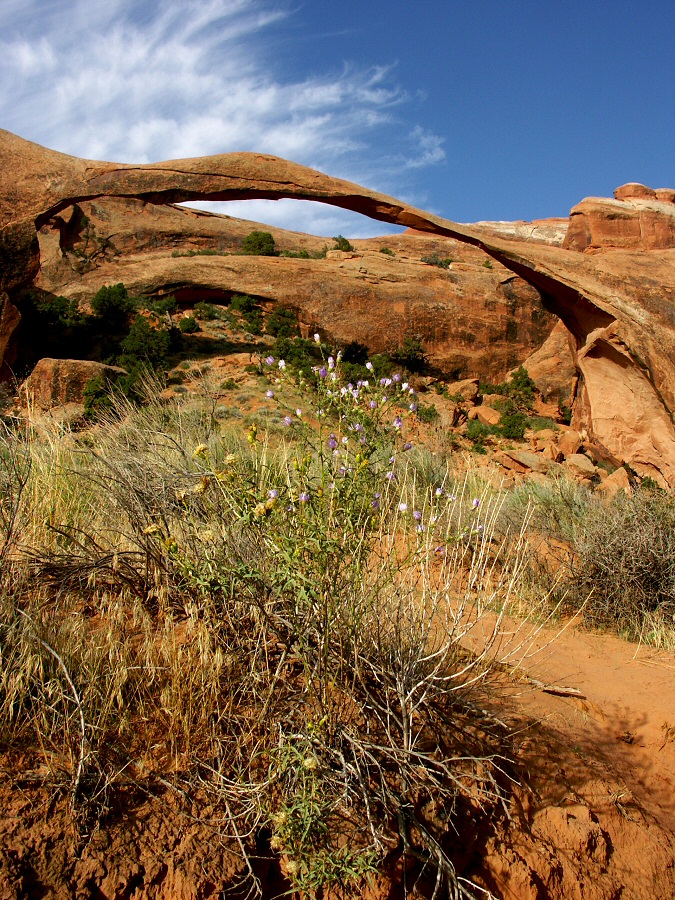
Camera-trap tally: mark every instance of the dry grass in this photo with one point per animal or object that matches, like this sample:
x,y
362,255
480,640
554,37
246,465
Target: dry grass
x,y
164,619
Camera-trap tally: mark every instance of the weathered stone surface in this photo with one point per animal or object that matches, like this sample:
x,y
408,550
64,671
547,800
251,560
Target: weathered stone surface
x,y
466,389
466,321
569,442
523,461
617,303
580,465
614,483
639,222
58,382
486,415
552,368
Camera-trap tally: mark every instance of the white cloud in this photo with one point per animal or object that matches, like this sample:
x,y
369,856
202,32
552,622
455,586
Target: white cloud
x,y
143,81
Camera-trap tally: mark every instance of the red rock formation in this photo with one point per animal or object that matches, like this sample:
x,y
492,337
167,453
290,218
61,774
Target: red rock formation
x,y
472,320
617,304
57,382
639,218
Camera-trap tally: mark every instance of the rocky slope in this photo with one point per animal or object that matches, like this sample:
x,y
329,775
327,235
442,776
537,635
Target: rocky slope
x,y
616,301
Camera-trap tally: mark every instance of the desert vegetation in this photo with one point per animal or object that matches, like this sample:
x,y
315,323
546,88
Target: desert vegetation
x,y
284,620
279,623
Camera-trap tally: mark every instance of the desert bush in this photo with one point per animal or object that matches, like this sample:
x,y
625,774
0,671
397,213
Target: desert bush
x,y
283,625
113,306
206,311
188,325
616,559
411,354
433,259
282,322
341,243
259,243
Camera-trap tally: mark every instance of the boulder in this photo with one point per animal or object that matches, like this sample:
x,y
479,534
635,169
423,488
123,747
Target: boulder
x,y
59,382
617,482
580,466
523,461
486,415
464,390
569,442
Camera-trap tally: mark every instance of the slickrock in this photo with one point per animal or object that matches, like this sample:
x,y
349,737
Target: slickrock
x,y
616,302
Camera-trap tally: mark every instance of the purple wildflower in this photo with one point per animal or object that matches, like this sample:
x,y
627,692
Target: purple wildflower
x,y
417,515
269,360
317,338
332,442
395,377
373,404
323,371
269,394
369,366
407,446
273,494
413,407
282,364
475,503
390,476
398,422
403,507
304,497
288,421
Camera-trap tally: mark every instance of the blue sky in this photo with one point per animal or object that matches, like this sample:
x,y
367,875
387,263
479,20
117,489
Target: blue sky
x,y
498,109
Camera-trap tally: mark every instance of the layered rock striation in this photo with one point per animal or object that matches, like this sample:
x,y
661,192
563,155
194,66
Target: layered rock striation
x,y
617,302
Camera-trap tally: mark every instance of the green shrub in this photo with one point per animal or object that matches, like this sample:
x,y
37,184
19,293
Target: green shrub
x,y
411,354
282,322
205,312
164,306
487,264
433,259
188,325
259,243
427,412
145,346
387,251
113,306
341,243
513,425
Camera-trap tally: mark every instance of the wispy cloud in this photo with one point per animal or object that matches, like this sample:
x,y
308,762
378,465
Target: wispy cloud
x,y
163,79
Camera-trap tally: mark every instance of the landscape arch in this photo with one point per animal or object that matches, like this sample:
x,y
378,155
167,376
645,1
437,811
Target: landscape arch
x,y
618,306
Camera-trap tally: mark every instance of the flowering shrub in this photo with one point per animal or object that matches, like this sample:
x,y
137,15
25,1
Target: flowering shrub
x,y
288,621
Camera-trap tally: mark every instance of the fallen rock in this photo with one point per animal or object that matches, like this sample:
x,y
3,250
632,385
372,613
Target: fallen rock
x,y
58,382
464,390
569,442
485,414
615,483
523,461
580,466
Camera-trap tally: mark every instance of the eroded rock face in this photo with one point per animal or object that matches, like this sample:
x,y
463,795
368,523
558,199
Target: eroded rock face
x,y
617,303
473,320
60,382
638,218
